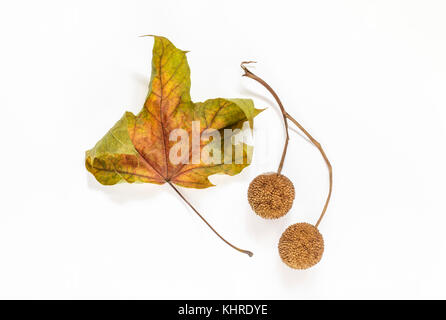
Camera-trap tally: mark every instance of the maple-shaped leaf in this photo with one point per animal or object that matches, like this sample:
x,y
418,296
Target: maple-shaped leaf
x,y
138,148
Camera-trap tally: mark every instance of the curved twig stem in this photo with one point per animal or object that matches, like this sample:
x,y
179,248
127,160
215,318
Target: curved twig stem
x,y
282,109
313,141
330,169
249,253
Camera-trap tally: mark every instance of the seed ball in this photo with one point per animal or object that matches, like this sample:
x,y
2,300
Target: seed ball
x,y
271,195
301,246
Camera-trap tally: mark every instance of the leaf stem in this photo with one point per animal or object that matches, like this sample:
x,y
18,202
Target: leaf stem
x,y
249,253
286,116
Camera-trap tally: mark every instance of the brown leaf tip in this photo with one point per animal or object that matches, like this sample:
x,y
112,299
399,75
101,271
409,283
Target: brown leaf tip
x,y
301,246
271,195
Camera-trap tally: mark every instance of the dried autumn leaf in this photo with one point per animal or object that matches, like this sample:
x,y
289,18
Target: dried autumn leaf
x,y
137,148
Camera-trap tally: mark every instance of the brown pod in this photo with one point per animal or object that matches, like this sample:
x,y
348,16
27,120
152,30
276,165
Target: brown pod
x,y
271,195
301,246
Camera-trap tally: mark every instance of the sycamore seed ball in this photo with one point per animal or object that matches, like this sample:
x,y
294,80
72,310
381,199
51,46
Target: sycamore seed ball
x,y
301,246
271,195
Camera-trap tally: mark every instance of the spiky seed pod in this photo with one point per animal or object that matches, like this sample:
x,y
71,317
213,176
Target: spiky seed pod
x,y
301,246
271,195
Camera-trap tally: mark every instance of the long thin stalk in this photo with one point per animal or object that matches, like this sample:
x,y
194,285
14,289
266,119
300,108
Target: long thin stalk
x,y
282,109
286,116
249,253
330,169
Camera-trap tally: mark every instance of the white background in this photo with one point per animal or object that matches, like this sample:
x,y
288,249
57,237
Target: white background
x,y
366,78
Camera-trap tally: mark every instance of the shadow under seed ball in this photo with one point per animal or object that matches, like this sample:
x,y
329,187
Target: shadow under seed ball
x,y
271,195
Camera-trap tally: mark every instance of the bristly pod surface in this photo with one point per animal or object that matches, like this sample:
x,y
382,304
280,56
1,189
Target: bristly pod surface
x,y
271,195
301,246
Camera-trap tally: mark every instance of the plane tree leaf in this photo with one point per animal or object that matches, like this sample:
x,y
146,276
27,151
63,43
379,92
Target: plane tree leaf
x,y
137,147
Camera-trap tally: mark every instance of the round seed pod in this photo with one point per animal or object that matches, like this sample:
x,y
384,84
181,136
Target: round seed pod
x,y
271,195
301,246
